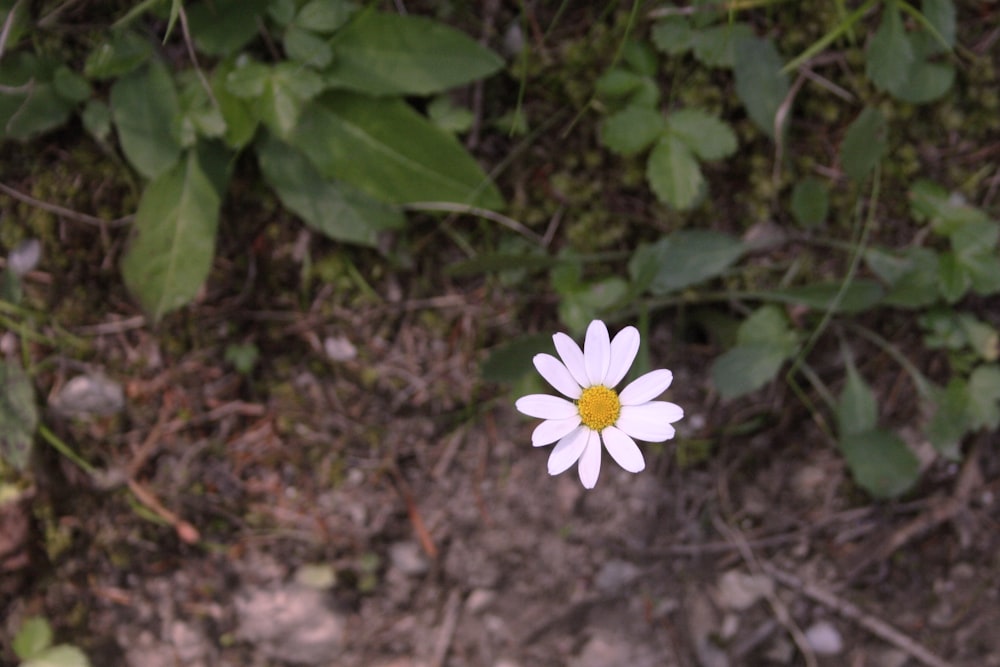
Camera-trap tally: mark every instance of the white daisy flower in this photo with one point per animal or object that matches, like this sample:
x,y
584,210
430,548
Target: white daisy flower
x,y
597,412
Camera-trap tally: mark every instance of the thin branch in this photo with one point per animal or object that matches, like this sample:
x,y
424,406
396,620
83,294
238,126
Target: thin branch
x,y
63,211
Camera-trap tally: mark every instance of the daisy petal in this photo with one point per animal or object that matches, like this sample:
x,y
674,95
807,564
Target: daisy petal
x,y
646,387
590,460
557,375
623,449
572,356
649,421
597,352
551,430
623,350
544,406
568,450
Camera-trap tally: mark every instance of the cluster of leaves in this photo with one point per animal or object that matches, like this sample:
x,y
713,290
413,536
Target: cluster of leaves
x,y
33,646
324,116
955,257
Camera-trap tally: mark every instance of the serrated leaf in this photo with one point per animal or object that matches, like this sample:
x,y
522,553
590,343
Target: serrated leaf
x,y
122,52
33,637
674,175
325,15
706,135
223,27
859,296
673,36
389,54
307,47
715,46
889,53
631,130
810,202
690,257
59,656
335,209
144,105
864,144
880,462
746,368
173,238
387,149
18,415
857,409
759,82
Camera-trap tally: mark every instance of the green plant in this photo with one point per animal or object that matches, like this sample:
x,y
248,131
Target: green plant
x,y
33,646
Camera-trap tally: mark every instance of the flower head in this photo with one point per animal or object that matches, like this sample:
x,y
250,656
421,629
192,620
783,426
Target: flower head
x,y
596,412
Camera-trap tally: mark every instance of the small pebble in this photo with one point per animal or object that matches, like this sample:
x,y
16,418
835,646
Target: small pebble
x,y
824,639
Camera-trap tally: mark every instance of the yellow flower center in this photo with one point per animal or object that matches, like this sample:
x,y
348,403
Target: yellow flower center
x,y
599,407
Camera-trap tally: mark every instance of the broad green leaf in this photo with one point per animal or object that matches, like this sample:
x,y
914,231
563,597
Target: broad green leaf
x,y
927,81
241,123
510,361
941,15
864,144
951,420
857,409
810,202
706,135
174,238
325,15
144,105
746,368
674,175
59,656
277,94
714,46
673,36
121,53
387,149
31,105
631,130
880,462
768,325
307,47
390,54
689,257
984,397
889,52
335,209
759,82
223,27
282,11
18,415
33,637
859,296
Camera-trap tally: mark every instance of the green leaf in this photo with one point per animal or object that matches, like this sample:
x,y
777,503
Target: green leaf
x,y
335,209
864,144
173,238
59,656
385,148
618,82
579,307
709,137
941,15
389,54
927,82
673,36
687,258
223,27
951,420
632,129
674,174
889,52
880,462
746,368
96,118
984,394
34,636
768,325
510,361
715,46
70,86
122,52
277,93
32,104
144,105
810,203
18,415
241,123
953,280
640,57
859,296
912,275
857,410
325,15
760,84
448,116
307,47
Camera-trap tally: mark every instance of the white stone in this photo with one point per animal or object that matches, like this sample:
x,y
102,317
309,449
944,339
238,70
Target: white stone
x,y
824,638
